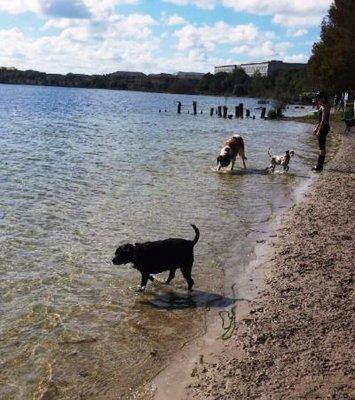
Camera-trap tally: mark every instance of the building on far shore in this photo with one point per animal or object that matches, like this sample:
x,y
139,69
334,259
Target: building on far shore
x,y
162,77
190,75
8,68
131,77
266,68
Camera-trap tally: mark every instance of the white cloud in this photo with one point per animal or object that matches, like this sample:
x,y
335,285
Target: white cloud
x,y
297,32
206,4
264,50
271,7
247,40
193,60
297,20
84,46
102,8
174,20
296,58
63,8
284,12
19,6
208,36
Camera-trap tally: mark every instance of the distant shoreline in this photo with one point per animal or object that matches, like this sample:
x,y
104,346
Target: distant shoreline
x,y
139,91
222,84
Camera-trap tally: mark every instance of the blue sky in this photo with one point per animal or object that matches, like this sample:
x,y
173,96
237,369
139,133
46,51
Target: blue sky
x,y
102,36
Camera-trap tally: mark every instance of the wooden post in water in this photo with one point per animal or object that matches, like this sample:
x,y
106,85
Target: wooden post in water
x,y
236,111
241,110
263,112
179,107
194,106
211,112
225,111
219,111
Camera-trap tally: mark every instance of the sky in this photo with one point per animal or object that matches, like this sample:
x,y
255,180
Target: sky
x,y
152,36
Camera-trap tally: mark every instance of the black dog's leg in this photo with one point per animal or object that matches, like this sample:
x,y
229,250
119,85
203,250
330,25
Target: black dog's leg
x,y
171,276
186,272
144,281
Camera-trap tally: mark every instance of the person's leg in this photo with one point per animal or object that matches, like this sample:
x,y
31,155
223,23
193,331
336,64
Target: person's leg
x,y
322,137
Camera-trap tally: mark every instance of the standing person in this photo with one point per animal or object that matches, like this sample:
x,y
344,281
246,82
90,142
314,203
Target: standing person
x,y
323,127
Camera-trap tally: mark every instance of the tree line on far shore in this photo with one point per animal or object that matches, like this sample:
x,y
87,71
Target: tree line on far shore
x,y
115,81
284,85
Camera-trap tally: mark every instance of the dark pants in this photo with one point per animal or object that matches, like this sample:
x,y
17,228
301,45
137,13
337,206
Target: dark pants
x,y
322,139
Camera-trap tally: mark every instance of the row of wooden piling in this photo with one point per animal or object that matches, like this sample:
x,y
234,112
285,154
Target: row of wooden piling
x,y
222,111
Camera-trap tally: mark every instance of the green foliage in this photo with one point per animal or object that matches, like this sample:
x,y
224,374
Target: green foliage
x,y
272,114
236,83
220,83
290,84
332,62
181,86
275,113
205,83
306,97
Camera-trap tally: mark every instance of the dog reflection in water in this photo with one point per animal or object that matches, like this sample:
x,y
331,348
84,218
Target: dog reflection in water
x,y
159,256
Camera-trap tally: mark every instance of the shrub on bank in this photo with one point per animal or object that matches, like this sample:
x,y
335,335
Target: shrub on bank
x,y
275,113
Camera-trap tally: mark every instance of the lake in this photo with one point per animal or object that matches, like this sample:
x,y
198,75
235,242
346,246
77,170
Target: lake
x,y
83,171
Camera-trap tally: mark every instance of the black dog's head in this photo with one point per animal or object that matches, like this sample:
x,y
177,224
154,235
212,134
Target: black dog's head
x,y
290,153
124,254
223,161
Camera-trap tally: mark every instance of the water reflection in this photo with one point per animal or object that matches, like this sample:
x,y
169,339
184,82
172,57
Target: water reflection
x,y
176,300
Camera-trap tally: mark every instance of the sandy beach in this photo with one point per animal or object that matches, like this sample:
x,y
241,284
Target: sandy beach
x,y
296,339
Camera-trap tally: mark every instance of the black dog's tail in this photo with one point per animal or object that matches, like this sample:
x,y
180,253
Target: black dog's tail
x,y
197,234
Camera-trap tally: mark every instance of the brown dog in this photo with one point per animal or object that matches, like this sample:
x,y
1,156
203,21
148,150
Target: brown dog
x,y
232,147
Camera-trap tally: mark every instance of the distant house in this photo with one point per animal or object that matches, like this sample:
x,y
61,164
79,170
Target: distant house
x,y
226,68
130,77
8,69
158,78
266,68
190,75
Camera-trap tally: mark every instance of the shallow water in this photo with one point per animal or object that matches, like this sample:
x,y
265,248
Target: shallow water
x,y
83,171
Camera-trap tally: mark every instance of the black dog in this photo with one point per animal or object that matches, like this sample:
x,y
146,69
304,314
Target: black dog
x,y
163,255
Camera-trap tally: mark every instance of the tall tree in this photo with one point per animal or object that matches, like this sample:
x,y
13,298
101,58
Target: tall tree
x,y
332,63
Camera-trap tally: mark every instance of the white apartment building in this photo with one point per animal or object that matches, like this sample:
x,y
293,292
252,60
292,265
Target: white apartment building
x,y
266,68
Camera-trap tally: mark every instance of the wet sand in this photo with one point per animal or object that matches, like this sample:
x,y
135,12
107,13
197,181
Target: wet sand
x,y
295,340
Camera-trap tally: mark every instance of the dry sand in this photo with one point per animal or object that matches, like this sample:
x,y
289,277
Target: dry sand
x,y
297,341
